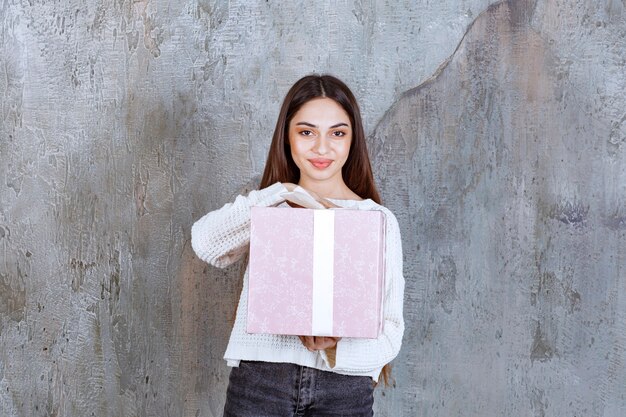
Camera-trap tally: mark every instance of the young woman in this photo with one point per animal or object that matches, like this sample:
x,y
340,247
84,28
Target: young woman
x,y
318,144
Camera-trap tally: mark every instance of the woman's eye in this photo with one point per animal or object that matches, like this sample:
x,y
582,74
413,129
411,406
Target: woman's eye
x,y
306,132
339,133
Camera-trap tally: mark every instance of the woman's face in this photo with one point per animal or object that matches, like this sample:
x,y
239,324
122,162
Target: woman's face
x,y
320,134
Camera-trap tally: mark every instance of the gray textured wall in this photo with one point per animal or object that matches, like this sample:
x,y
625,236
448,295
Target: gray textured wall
x,y
498,136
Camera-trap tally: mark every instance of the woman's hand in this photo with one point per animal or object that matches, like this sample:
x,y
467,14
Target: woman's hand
x,y
327,204
314,343
290,186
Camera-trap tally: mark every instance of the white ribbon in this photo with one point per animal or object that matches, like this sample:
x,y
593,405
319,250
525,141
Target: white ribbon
x,y
323,271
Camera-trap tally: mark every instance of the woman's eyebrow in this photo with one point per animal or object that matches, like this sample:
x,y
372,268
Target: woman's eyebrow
x,y
312,125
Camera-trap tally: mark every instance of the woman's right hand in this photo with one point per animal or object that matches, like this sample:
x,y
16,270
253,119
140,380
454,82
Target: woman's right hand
x,y
290,186
324,202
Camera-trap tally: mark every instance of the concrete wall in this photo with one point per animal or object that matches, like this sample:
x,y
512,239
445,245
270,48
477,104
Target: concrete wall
x,y
498,135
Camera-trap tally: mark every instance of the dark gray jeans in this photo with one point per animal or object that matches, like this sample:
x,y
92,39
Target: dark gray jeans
x,y
264,389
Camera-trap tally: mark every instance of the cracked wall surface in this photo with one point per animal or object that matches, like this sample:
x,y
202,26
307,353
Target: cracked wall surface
x,y
512,191
498,137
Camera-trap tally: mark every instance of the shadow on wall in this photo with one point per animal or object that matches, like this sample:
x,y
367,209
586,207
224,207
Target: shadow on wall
x,y
498,176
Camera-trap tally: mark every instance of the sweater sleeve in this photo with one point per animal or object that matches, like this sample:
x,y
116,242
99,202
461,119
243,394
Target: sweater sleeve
x,y
367,355
221,237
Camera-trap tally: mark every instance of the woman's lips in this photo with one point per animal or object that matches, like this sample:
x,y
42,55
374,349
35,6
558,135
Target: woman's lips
x,y
320,163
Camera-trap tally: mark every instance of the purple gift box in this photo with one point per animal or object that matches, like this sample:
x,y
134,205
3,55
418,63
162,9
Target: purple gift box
x,y
316,272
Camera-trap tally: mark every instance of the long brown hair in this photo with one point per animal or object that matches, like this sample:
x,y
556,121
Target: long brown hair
x,y
356,172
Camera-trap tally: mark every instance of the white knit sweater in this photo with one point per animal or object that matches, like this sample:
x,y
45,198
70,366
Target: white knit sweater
x,y
222,237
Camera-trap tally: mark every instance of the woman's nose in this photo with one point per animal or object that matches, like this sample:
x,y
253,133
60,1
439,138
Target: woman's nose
x,y
321,145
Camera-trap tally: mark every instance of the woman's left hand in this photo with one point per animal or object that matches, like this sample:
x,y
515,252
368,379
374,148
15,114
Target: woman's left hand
x,y
314,343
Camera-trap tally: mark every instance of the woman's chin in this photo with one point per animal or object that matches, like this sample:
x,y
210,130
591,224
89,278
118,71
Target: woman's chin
x,y
318,176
